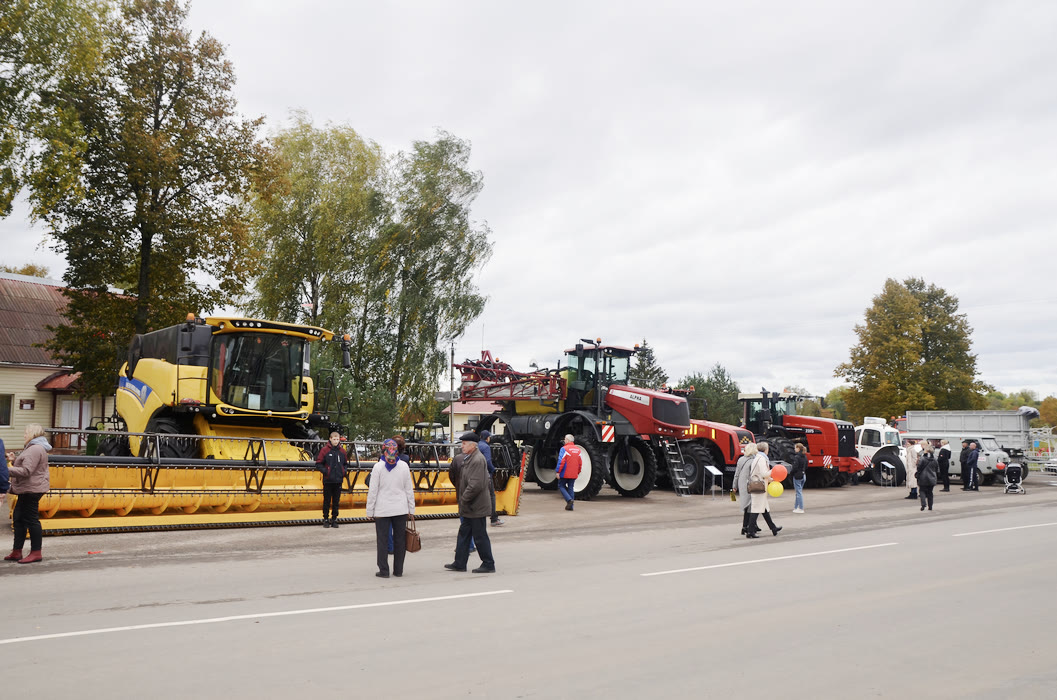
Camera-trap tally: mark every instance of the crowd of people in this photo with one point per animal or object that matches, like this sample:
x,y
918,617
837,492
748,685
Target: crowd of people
x,y
391,494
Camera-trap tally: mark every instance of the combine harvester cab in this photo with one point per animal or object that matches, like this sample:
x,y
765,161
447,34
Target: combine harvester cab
x,y
830,443
625,431
216,415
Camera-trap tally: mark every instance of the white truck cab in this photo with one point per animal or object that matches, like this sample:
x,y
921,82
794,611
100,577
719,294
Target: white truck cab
x,y
880,447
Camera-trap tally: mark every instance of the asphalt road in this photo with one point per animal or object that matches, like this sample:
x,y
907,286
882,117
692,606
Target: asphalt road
x,y
863,596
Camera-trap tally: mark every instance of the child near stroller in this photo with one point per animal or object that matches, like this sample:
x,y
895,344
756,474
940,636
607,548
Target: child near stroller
x,y
1013,475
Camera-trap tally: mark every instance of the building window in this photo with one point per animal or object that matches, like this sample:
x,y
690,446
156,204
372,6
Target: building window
x,y
6,400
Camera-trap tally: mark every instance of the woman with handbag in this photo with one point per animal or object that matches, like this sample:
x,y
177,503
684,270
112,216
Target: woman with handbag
x,y
759,477
741,483
390,499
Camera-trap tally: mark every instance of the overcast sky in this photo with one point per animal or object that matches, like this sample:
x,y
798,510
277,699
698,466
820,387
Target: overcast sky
x,y
732,181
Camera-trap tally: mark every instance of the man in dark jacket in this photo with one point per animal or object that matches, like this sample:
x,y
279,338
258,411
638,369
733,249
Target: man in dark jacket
x,y
971,466
943,461
471,487
332,462
963,456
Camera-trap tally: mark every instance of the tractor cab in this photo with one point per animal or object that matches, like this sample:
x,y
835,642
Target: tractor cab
x,y
590,370
765,409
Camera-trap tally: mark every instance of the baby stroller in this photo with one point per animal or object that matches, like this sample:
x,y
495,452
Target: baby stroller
x,y
1014,474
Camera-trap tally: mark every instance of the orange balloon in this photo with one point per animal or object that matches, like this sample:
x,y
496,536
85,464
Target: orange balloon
x,y
778,472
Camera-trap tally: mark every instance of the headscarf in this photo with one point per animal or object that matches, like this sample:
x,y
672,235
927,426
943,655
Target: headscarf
x,y
390,453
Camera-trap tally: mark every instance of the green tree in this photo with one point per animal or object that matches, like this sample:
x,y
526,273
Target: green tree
x,y
313,222
382,249
1048,411
94,338
646,372
836,400
165,165
426,259
720,394
42,42
948,367
913,354
29,269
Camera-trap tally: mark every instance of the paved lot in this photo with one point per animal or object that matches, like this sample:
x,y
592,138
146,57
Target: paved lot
x,y
862,596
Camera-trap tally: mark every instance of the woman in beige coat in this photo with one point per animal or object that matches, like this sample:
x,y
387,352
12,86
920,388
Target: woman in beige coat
x,y
761,471
29,481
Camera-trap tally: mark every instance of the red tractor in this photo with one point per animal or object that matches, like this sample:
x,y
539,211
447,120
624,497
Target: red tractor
x,y
831,454
625,431
710,444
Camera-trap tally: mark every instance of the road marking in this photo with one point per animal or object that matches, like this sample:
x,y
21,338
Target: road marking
x,y
761,561
256,616
1001,529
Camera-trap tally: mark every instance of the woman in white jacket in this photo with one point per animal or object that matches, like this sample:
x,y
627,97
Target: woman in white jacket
x,y
390,499
761,471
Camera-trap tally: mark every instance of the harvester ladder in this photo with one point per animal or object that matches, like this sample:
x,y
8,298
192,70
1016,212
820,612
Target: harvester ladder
x,y
673,459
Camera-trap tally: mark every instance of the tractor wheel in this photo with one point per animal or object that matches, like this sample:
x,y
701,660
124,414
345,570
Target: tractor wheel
x,y
632,472
113,447
826,477
175,448
843,478
544,464
780,449
695,458
592,469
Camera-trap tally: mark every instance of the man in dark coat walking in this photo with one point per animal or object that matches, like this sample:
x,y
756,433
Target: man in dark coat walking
x,y
962,457
475,506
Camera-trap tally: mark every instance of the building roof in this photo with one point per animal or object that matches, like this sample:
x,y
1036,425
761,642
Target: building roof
x,y
27,306
59,381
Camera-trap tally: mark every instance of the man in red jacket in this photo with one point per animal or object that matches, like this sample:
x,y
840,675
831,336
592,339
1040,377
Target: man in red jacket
x,y
569,462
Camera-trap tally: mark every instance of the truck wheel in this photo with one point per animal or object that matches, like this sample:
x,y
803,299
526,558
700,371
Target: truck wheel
x,y
636,479
887,469
592,470
695,458
176,448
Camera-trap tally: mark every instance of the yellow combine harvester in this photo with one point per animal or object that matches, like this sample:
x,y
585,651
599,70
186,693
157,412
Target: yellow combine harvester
x,y
216,433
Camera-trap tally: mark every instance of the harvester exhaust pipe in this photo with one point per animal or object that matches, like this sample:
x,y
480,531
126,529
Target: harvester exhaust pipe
x,y
346,352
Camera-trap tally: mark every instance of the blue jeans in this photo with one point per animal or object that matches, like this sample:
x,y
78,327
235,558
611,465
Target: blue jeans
x,y
798,501
566,488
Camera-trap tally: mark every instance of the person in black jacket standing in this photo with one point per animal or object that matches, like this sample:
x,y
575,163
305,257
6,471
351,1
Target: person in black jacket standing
x,y
799,474
332,462
963,458
943,461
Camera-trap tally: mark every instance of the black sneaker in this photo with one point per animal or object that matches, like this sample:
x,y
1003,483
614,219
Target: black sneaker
x,y
333,523
484,570
326,523
452,567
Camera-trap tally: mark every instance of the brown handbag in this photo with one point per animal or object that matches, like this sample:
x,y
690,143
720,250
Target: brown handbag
x,y
757,486
414,542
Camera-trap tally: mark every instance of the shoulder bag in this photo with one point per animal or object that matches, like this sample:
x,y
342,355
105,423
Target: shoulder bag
x,y
414,541
756,484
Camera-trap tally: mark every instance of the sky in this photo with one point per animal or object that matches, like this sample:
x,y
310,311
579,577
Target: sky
x,y
732,182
